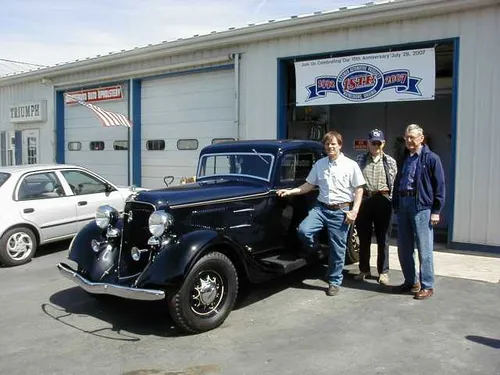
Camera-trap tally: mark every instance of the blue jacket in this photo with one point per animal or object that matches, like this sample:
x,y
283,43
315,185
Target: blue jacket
x,y
429,179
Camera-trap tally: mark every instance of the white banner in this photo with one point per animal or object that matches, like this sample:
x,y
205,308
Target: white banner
x,y
377,77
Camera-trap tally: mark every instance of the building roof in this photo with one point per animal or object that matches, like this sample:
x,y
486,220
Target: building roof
x,y
10,67
369,13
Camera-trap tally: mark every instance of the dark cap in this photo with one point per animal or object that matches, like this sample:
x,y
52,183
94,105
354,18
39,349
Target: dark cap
x,y
376,135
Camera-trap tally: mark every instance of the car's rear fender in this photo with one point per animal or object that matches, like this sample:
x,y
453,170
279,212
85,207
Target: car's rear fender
x,y
176,259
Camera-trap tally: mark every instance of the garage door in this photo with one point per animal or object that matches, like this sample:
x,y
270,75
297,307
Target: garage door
x,y
91,145
181,115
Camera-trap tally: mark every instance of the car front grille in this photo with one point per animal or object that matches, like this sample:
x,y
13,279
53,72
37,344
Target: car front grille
x,y
135,233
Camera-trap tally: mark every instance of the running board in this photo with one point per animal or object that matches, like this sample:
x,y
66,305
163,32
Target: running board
x,y
285,262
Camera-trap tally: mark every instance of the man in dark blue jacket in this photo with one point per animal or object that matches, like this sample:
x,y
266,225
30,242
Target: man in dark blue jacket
x,y
418,200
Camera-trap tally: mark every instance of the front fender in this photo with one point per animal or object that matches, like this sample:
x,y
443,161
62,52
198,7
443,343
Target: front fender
x,y
174,260
80,250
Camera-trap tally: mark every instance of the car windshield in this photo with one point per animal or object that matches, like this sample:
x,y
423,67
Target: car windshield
x,y
255,165
3,177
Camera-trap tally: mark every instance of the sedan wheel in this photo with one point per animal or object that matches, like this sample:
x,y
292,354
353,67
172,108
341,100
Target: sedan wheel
x,y
207,295
17,246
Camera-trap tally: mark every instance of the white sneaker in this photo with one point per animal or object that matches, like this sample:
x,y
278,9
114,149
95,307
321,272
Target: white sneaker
x,y
383,279
361,276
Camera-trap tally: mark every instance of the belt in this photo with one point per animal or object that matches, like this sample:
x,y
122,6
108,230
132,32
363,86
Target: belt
x,y
337,206
367,193
407,193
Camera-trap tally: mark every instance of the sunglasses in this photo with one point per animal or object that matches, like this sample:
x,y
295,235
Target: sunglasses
x,y
376,143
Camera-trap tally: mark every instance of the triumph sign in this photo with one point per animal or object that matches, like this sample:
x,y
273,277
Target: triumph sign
x,y
378,77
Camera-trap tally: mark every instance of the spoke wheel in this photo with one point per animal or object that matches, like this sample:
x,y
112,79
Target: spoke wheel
x,y
17,246
352,251
207,295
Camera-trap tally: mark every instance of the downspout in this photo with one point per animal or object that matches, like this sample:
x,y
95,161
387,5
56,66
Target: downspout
x,y
236,58
130,170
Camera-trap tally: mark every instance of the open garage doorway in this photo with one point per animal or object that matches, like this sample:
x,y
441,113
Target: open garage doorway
x,y
354,121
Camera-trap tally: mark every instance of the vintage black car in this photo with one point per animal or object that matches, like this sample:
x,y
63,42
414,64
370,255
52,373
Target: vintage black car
x,y
194,244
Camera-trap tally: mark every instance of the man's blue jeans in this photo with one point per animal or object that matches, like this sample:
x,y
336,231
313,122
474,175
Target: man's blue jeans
x,y
334,220
415,229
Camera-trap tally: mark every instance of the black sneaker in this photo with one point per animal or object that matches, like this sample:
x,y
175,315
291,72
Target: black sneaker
x,y
332,290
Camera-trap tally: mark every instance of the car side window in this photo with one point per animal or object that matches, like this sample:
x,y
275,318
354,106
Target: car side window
x,y
83,183
296,166
43,185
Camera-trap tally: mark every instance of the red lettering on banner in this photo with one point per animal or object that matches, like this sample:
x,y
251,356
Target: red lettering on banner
x,y
95,95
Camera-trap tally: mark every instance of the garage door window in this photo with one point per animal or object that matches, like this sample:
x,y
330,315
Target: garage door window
x,y
187,144
120,145
74,146
155,145
221,140
97,145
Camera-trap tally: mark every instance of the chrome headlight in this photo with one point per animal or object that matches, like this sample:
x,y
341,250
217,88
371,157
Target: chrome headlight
x,y
159,222
105,215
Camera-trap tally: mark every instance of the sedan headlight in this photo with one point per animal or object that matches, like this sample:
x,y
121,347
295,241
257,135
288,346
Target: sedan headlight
x,y
105,215
159,222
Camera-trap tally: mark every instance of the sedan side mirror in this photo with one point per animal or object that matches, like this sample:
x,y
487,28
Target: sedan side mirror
x,y
109,188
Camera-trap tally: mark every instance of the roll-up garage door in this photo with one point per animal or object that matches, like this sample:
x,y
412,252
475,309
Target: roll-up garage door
x,y
103,150
181,115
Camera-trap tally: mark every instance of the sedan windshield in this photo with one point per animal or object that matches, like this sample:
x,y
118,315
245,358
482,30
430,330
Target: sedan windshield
x,y
3,177
244,164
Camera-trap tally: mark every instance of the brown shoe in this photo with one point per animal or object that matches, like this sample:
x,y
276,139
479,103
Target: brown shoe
x,y
406,288
424,294
332,290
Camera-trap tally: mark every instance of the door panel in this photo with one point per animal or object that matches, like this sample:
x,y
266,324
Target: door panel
x,y
90,193
43,201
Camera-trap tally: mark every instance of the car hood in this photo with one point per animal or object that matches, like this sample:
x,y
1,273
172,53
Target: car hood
x,y
127,190
201,192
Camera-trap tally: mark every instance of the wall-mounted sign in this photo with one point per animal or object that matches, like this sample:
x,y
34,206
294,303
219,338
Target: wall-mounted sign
x,y
95,95
28,112
377,77
360,144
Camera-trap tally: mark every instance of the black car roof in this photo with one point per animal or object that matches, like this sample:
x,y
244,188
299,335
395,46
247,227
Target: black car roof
x,y
272,146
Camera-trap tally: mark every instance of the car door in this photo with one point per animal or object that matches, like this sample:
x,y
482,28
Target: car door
x,y
91,192
43,201
293,168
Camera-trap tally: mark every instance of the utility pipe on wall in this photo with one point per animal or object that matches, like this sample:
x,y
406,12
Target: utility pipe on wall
x,y
236,58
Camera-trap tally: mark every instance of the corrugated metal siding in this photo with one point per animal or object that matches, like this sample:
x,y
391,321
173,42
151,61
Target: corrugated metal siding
x,y
29,92
477,200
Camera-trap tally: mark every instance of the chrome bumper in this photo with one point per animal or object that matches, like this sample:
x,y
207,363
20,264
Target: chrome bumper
x,y
114,290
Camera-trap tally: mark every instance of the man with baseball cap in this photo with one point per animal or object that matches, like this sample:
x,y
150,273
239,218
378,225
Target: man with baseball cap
x,y
379,171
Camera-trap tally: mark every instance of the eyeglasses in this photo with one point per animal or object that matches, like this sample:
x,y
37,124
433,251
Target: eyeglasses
x,y
376,143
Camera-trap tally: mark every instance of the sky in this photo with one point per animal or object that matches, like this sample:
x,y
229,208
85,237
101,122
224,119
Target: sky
x,y
47,32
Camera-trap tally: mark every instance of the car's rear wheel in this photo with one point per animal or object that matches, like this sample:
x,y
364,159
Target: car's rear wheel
x,y
207,295
352,251
17,246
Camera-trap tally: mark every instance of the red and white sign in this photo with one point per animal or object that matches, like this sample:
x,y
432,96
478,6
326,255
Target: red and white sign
x,y
360,144
94,95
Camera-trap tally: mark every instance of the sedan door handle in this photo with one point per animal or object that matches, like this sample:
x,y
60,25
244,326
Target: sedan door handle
x,y
28,210
82,203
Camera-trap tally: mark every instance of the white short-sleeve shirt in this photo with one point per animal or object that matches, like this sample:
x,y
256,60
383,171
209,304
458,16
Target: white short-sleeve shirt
x,y
336,179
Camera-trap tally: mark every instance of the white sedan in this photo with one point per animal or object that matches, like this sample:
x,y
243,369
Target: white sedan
x,y
47,203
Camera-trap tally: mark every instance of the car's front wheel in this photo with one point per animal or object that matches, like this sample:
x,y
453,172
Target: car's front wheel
x,y
17,246
207,295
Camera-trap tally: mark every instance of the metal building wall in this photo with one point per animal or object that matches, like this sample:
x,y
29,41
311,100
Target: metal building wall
x,y
476,196
30,92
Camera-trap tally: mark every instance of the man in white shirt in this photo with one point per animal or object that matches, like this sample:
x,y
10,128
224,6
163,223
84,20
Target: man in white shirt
x,y
340,183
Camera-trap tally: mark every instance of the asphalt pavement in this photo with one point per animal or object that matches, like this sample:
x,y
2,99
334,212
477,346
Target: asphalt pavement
x,y
286,326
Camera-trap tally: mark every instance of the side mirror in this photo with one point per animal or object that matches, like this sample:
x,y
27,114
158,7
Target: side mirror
x,y
109,188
